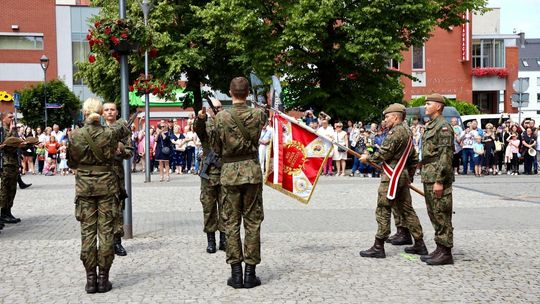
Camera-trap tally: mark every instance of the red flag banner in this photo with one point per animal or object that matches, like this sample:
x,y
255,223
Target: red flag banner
x,y
296,158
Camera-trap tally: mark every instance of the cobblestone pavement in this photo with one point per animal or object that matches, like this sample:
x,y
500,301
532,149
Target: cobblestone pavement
x,y
310,253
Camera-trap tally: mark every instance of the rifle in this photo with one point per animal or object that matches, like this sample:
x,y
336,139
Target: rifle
x,y
210,159
206,96
1,151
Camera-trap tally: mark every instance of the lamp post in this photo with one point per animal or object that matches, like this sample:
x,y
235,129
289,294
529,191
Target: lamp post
x,y
146,6
44,60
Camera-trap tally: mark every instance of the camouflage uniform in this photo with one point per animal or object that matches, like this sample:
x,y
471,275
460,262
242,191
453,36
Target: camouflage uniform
x,y
241,180
122,194
391,151
437,153
10,172
210,187
96,190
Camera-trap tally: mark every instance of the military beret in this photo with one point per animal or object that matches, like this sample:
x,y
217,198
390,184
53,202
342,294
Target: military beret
x,y
437,98
395,107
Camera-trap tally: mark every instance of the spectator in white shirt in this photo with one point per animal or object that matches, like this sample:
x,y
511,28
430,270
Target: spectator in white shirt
x,y
264,140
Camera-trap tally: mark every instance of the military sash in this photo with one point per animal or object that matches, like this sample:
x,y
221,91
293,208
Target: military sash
x,y
395,173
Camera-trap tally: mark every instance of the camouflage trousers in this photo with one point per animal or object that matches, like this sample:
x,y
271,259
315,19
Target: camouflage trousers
x,y
212,206
119,220
8,187
97,215
243,202
402,207
440,214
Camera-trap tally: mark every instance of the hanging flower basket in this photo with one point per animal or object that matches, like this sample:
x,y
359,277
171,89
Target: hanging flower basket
x,y
490,72
157,87
118,37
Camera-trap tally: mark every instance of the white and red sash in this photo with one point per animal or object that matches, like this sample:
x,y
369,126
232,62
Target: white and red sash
x,y
395,173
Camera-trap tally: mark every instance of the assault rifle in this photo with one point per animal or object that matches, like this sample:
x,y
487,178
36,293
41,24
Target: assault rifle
x,y
210,159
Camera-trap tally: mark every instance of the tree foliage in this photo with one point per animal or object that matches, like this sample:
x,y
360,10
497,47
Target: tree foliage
x,y
177,34
33,99
462,106
333,54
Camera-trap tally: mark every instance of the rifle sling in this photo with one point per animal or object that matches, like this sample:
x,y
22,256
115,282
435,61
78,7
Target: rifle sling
x,y
97,153
240,126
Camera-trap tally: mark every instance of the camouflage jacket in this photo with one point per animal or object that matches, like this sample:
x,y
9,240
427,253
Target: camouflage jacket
x,y
9,154
437,152
128,153
391,150
95,177
207,134
230,143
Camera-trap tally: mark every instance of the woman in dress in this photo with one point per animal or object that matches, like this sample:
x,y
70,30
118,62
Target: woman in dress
x,y
163,148
340,155
177,138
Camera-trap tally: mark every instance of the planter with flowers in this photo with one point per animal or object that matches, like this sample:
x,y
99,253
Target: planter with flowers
x,y
117,37
490,72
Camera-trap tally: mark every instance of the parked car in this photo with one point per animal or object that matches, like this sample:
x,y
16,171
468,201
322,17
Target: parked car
x,y
419,113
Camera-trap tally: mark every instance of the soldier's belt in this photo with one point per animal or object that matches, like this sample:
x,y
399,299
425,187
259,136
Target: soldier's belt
x,y
237,158
95,168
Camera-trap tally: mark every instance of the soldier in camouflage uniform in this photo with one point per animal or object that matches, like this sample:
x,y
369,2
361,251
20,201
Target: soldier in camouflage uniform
x,y
391,151
438,176
126,152
237,134
91,153
10,171
210,174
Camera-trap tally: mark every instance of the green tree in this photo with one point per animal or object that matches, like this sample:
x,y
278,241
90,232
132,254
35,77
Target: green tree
x,y
32,102
333,54
178,36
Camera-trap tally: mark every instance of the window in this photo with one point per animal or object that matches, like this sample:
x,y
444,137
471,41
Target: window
x,y
488,53
80,52
418,57
538,81
537,97
393,64
525,63
19,42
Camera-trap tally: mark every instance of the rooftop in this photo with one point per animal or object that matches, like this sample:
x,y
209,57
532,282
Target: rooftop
x,y
529,55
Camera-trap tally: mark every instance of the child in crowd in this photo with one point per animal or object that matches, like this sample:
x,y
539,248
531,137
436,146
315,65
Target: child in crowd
x,y
50,167
478,149
63,167
40,153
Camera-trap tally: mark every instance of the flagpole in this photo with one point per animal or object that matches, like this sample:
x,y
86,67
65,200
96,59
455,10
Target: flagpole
x,y
348,150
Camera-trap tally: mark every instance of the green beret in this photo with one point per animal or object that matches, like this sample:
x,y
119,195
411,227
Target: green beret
x,y
437,98
395,107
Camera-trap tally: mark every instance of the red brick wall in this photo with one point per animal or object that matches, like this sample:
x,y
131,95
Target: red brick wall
x,y
446,73
32,16
512,65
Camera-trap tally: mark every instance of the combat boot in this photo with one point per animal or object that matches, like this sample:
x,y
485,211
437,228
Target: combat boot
x,y
103,283
22,185
426,257
444,257
91,280
222,241
235,280
7,217
118,248
392,237
250,278
211,237
376,251
404,237
418,248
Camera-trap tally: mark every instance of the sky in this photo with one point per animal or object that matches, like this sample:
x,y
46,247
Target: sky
x,y
521,15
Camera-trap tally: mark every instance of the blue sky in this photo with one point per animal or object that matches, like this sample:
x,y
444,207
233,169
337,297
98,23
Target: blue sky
x,y
521,15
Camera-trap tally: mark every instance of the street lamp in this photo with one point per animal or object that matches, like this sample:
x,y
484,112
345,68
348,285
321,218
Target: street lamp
x,y
146,6
44,60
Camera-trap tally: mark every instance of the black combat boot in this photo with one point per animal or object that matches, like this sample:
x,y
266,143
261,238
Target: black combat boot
x,y
7,217
393,236
211,237
426,257
222,241
404,237
418,248
235,280
22,185
118,248
444,257
103,283
1,224
91,280
376,251
250,278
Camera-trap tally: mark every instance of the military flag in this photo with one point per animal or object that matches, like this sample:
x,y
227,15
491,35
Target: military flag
x,y
296,158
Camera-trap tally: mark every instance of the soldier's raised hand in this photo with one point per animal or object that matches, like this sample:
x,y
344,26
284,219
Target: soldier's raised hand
x,y
202,113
